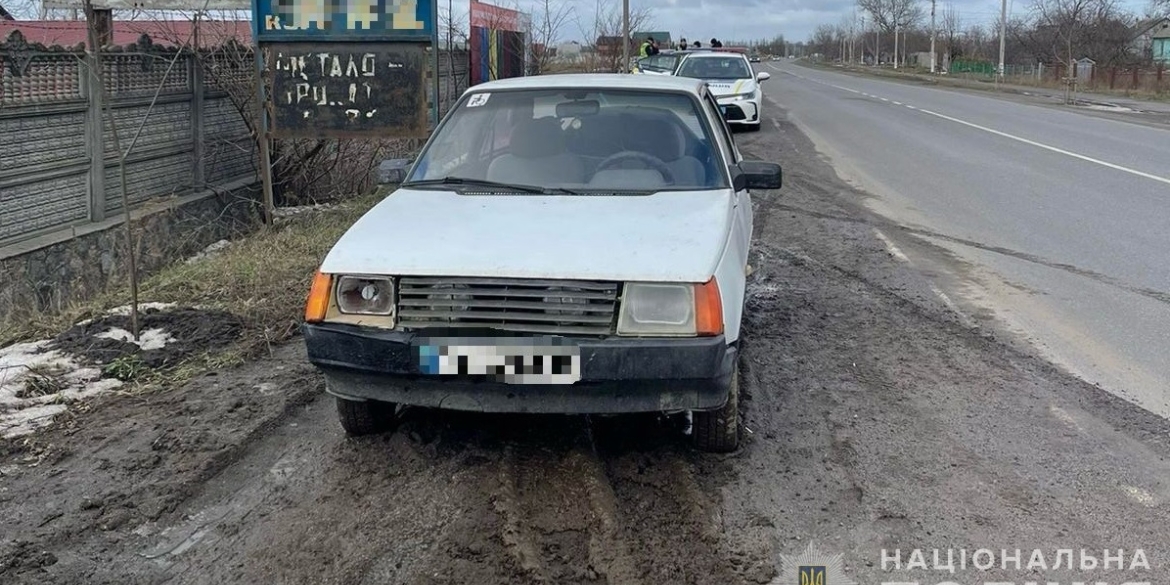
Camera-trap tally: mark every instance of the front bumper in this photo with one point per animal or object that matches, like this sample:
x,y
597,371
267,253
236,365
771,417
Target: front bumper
x,y
750,109
617,375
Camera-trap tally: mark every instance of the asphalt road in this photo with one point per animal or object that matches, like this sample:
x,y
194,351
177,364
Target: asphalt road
x,y
1053,219
875,417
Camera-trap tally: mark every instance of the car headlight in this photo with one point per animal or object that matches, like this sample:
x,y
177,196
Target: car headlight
x,y
751,95
365,295
670,309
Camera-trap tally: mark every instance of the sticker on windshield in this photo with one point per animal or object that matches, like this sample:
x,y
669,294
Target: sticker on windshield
x,y
478,100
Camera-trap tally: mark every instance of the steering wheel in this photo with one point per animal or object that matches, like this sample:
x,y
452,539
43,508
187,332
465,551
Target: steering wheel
x,y
652,162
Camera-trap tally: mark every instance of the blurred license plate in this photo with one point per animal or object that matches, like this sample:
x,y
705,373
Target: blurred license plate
x,y
511,364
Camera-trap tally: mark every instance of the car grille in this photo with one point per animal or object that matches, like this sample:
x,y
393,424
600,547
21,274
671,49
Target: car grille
x,y
533,306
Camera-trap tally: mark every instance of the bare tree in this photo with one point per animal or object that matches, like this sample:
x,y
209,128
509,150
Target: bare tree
x,y
548,23
1072,27
888,14
949,29
604,31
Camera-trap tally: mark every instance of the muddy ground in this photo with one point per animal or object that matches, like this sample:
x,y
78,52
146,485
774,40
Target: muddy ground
x,y
875,418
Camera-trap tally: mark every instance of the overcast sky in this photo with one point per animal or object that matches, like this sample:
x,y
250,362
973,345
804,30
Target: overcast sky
x,y
757,19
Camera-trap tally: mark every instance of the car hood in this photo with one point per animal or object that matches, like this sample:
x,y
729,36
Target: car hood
x,y
725,87
672,236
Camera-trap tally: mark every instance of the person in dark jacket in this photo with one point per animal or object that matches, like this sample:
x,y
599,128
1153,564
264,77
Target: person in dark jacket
x,y
715,44
682,44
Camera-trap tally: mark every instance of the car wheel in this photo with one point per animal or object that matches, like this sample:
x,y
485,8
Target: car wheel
x,y
717,431
753,127
365,417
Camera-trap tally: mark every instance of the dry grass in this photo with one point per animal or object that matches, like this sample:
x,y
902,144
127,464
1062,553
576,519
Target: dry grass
x,y
263,278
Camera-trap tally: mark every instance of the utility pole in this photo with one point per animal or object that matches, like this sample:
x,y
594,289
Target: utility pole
x,y
896,40
932,36
1002,35
626,36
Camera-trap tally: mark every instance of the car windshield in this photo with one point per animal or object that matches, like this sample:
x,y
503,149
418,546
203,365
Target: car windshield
x,y
715,68
659,63
574,141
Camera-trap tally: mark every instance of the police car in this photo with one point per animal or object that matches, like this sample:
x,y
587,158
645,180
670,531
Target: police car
x,y
732,81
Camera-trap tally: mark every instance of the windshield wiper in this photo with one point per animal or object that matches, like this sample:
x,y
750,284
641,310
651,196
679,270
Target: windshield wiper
x,y
475,183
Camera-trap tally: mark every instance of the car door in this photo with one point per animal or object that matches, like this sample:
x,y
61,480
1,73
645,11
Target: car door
x,y
741,236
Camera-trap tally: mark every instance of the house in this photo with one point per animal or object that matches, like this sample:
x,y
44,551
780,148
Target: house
x,y
167,33
611,45
1151,39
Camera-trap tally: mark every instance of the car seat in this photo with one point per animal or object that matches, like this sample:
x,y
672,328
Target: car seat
x,y
537,156
665,140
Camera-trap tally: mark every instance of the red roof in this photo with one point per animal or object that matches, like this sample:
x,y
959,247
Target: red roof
x,y
68,33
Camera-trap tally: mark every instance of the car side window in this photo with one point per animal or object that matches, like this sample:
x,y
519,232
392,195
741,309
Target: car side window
x,y
723,131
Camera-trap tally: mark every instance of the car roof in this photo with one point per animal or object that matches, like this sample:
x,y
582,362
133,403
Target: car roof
x,y
701,55
593,81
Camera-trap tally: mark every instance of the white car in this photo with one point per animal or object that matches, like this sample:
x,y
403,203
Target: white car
x,y
562,244
664,63
731,79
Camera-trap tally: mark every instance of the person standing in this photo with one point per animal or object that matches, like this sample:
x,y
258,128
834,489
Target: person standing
x,y
644,50
682,44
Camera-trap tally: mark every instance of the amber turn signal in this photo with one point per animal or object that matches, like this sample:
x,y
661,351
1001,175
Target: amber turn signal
x,y
318,304
708,309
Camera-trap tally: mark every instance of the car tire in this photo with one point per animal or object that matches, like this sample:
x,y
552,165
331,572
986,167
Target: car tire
x,y
365,417
717,431
753,127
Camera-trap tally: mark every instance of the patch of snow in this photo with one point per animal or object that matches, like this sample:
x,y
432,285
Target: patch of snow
x,y
124,310
1108,108
27,420
21,416
209,251
147,340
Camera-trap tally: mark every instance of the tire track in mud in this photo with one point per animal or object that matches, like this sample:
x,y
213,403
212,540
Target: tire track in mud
x,y
593,512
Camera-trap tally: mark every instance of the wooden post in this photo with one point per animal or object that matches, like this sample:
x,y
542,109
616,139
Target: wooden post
x,y
262,138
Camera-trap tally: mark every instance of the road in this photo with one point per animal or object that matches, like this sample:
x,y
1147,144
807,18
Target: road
x,y
875,417
1054,220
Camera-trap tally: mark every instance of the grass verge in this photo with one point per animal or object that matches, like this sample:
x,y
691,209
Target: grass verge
x,y
263,278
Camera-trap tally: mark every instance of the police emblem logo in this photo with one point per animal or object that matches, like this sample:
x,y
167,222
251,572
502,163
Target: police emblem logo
x,y
812,575
812,567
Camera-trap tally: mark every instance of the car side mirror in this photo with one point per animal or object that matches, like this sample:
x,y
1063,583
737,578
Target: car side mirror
x,y
763,76
756,174
393,171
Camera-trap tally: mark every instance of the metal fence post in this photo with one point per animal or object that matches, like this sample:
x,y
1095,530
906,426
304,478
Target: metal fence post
x,y
95,143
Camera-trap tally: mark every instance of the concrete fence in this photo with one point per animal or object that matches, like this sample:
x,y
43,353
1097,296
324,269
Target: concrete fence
x,y
177,113
191,172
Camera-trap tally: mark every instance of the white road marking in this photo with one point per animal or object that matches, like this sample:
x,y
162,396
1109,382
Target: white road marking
x,y
893,249
897,103
1047,147
1075,155
776,123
